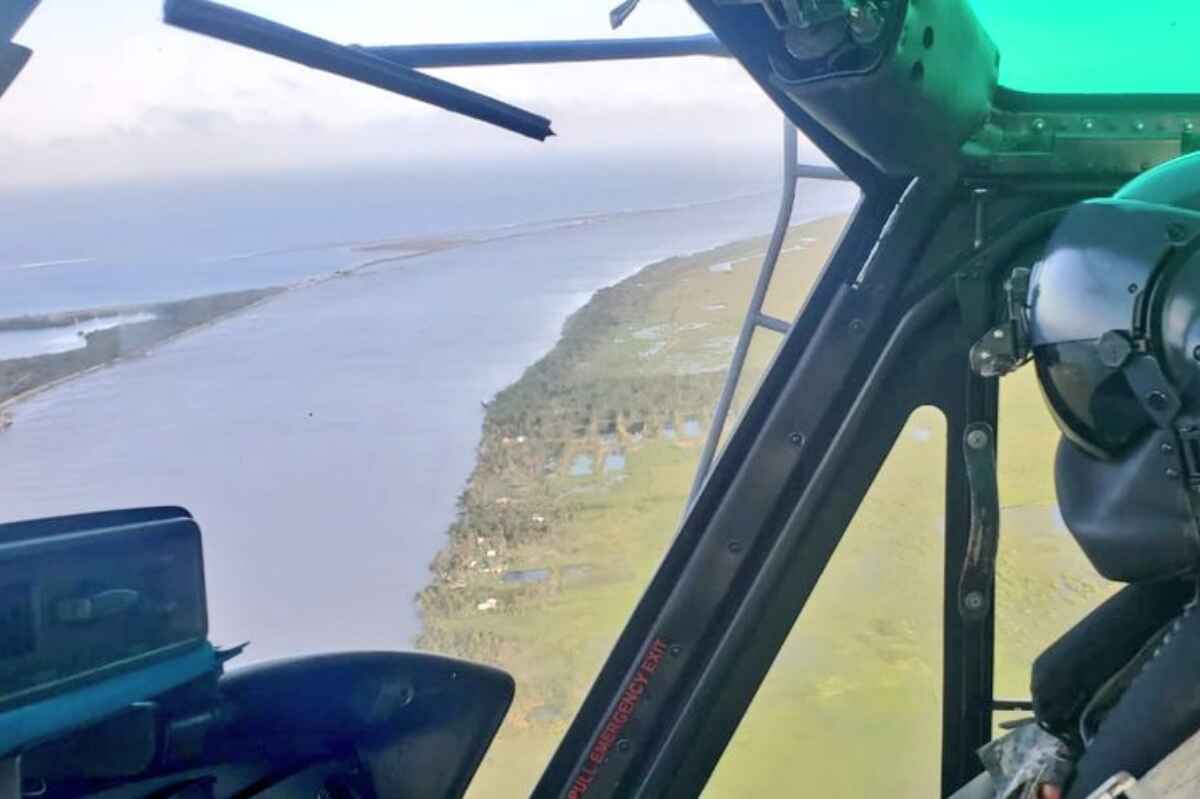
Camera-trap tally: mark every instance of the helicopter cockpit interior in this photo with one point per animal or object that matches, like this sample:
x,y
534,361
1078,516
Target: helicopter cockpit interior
x,y
971,129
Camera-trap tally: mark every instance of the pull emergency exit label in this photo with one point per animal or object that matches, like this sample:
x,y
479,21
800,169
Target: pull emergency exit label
x,y
631,697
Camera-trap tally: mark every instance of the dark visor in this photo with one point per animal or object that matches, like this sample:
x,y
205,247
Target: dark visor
x,y
1092,403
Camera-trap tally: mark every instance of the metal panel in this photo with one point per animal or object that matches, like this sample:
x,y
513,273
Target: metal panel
x,y
745,36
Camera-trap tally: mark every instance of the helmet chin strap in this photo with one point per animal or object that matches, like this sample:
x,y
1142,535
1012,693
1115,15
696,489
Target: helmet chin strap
x,y
1160,401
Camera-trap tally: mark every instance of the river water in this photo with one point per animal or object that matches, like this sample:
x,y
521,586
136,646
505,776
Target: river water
x,y
321,438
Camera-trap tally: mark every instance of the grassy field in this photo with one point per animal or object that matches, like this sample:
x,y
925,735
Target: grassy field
x,y
583,470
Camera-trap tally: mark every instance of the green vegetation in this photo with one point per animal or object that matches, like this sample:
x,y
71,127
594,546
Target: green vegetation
x,y
548,557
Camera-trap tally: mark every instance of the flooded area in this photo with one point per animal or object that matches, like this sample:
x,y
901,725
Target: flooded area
x,y
614,462
527,576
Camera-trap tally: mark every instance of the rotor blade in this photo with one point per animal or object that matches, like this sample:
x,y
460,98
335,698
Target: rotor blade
x,y
264,35
548,52
618,15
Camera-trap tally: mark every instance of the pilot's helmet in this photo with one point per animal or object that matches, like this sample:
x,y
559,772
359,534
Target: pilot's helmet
x,y
1112,319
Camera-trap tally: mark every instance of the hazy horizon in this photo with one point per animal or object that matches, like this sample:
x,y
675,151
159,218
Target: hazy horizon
x,y
114,95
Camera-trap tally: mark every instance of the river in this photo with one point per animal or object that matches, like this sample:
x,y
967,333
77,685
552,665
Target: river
x,y
321,438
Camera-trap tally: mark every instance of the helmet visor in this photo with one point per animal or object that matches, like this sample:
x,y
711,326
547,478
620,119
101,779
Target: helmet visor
x,y
1092,403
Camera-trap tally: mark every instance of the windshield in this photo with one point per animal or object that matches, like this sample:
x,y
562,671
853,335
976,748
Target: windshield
x,y
1098,47
424,384
421,383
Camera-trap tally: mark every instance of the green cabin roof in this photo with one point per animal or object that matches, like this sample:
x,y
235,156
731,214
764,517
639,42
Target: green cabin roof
x,y
1095,46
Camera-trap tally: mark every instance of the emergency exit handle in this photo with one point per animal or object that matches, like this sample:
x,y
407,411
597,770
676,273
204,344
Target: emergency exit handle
x,y
977,580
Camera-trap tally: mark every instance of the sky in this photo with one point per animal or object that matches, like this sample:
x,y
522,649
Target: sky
x,y
112,94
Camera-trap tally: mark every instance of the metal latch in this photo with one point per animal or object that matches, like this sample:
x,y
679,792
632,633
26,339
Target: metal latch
x,y
1006,346
976,582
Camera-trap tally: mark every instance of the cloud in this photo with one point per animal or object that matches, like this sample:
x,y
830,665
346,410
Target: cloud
x,y
159,103
288,83
164,141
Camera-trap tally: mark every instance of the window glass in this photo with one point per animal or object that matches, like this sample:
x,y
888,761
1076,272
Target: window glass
x,y
793,274
853,700
421,382
1044,584
584,469
1098,46
786,293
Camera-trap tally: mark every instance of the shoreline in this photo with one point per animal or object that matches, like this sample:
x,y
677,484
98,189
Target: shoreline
x,y
24,378
63,366
389,251
502,412
213,308
581,469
